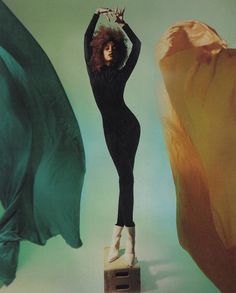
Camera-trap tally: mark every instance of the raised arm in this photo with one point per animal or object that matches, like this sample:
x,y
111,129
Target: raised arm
x,y
88,37
134,54
136,44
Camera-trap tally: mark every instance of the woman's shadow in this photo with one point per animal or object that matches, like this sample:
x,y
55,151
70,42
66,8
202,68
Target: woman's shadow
x,y
153,271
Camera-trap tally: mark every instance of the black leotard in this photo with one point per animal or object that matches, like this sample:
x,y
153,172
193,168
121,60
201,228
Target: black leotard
x,y
121,128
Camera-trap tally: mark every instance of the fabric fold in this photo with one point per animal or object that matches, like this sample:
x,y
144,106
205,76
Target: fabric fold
x,y
199,76
42,160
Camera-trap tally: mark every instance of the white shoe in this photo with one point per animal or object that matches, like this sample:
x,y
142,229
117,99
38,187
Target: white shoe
x,y
115,244
129,249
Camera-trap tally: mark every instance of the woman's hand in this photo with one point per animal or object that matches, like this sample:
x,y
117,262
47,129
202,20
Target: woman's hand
x,y
104,11
119,15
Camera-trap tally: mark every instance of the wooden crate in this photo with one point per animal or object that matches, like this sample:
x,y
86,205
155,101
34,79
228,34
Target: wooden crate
x,y
119,277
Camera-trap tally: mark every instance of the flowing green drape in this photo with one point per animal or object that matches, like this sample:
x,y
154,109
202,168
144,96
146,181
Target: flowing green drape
x,y
42,161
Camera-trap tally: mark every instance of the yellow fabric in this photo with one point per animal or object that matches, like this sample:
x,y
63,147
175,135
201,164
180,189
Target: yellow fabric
x,y
199,76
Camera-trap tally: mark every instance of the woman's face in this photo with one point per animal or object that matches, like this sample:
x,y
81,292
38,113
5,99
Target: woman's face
x,y
109,52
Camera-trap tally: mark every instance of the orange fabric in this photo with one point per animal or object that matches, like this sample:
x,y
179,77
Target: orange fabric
x,y
199,76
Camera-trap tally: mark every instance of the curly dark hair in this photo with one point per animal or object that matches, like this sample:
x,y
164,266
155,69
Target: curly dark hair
x,y
101,37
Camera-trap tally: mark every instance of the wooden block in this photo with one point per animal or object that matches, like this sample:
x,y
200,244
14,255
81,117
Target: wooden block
x,y
119,277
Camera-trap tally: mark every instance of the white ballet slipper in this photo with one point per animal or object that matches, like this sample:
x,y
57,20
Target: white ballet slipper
x,y
129,255
115,244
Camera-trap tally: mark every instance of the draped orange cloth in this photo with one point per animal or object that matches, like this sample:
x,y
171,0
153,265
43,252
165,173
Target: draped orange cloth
x,y
199,73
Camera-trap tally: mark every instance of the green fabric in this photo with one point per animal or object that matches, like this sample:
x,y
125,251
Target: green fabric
x,y
42,161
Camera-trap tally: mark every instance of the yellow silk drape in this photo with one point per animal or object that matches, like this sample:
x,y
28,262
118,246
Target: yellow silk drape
x,y
199,76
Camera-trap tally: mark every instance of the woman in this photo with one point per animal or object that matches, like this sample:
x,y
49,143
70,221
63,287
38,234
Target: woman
x,y
105,54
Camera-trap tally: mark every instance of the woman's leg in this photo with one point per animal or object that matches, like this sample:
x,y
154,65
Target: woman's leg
x,y
122,150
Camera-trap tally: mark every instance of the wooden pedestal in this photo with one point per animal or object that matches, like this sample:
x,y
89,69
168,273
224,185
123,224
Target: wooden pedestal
x,y
119,277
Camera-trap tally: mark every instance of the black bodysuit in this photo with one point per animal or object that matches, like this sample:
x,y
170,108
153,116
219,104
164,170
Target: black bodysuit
x,y
121,128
